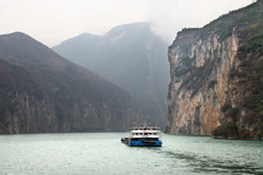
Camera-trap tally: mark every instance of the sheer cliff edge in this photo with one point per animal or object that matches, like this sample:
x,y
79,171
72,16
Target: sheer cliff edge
x,y
217,77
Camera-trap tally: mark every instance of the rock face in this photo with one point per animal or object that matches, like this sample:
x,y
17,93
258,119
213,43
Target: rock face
x,y
42,92
216,77
133,58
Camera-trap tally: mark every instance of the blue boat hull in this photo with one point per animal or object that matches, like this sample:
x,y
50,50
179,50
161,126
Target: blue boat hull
x,y
140,142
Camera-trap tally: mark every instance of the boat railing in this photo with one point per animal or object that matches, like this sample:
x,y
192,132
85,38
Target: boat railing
x,y
145,128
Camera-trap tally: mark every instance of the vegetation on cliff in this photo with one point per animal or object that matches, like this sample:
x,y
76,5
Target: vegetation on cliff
x,y
245,121
216,77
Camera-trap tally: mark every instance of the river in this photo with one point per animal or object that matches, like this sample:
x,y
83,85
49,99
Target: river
x,y
103,153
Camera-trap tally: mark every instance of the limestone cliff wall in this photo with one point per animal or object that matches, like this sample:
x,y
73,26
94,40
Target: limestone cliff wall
x,y
199,81
216,77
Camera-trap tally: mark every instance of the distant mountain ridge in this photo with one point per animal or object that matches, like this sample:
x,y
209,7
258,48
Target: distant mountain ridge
x,y
130,56
41,91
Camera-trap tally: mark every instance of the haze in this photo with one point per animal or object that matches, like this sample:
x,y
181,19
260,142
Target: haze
x,y
53,21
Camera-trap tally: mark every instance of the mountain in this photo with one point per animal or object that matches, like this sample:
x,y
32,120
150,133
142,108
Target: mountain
x,y
130,56
41,91
217,77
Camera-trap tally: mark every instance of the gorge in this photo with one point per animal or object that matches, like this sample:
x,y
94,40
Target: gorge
x,y
130,56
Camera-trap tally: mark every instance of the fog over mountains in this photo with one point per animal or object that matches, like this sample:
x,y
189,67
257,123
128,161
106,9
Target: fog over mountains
x,y
130,56
41,91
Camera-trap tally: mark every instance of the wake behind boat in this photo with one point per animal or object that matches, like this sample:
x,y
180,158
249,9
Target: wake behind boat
x,y
143,136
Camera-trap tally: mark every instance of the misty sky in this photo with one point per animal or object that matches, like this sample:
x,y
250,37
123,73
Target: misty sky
x,y
53,21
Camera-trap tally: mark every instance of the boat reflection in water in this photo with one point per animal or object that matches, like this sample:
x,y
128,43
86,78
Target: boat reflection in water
x,y
143,136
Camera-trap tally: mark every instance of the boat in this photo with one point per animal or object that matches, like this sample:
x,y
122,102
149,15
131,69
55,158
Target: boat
x,y
143,136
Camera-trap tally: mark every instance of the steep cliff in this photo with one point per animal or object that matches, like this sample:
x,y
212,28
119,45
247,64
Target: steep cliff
x,y
42,92
216,77
130,56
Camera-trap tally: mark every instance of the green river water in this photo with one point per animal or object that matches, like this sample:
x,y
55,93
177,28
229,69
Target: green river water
x,y
103,153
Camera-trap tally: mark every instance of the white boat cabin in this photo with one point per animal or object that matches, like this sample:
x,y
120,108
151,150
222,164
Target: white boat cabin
x,y
145,132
